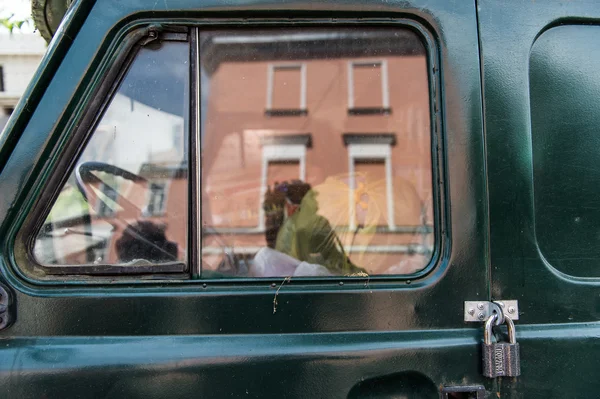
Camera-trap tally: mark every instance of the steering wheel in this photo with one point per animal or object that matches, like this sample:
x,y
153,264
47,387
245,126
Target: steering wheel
x,y
85,178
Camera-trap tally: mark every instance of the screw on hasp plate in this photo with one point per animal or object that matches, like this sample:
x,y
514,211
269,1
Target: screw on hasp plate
x,y
479,311
6,311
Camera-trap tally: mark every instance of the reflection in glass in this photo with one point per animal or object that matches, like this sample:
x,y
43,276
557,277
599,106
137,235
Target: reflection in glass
x,y
316,153
126,201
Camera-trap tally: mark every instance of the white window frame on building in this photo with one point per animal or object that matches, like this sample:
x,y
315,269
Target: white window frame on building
x,y
370,146
301,110
290,148
385,90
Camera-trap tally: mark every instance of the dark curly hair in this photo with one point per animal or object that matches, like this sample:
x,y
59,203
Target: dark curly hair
x,y
145,240
294,190
274,203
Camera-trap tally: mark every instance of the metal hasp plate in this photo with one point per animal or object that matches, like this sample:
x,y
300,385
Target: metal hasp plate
x,y
479,311
5,308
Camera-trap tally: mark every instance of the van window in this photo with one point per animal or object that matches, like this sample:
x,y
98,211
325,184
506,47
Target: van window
x,y
126,201
314,159
316,155
565,122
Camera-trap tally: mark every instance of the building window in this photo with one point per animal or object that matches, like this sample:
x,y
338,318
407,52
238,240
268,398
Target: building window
x,y
370,151
286,90
2,78
368,89
283,154
107,200
370,183
157,199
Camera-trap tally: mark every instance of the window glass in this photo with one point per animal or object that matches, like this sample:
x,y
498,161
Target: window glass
x,y
126,201
316,153
370,185
367,81
287,87
565,118
282,171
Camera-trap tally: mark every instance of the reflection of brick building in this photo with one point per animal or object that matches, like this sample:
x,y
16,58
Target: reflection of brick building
x,y
326,110
346,111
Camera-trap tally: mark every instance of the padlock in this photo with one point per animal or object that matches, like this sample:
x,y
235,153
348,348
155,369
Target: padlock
x,y
500,359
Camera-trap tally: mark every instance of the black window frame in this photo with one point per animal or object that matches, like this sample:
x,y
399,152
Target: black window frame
x,y
2,88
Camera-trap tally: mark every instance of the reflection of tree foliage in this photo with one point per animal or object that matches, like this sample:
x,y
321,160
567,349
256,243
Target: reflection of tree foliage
x,y
69,204
12,23
367,209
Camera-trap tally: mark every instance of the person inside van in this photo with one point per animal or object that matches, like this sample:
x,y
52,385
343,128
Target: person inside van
x,y
305,235
145,242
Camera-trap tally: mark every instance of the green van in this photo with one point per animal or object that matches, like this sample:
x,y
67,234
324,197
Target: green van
x,y
278,199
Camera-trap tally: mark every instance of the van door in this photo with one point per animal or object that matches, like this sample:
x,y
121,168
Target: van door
x,y
540,74
263,200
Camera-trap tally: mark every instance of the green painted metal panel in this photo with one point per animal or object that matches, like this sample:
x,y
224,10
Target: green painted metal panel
x,y
565,116
530,76
222,338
